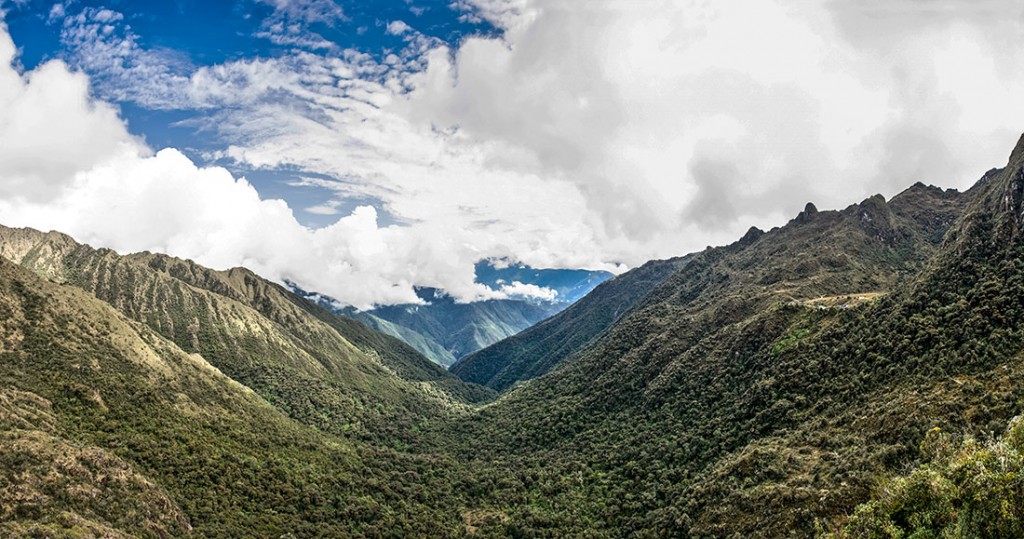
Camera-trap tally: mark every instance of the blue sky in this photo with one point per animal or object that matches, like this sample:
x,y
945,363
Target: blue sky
x,y
362,149
188,34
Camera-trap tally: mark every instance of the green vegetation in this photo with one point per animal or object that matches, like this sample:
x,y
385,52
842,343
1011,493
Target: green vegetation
x,y
331,373
737,393
965,489
109,425
726,403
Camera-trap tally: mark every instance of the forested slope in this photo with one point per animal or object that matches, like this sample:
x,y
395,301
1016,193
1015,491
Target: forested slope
x,y
761,389
783,385
111,430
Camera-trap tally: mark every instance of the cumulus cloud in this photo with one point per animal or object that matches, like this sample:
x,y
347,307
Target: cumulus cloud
x,y
397,28
586,135
50,128
165,203
528,291
714,116
67,163
651,132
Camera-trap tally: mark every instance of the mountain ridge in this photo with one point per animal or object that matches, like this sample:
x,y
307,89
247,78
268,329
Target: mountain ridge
x,y
758,389
110,429
320,367
747,369
542,346
445,330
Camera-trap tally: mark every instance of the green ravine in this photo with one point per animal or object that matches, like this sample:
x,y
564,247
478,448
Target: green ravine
x,y
855,373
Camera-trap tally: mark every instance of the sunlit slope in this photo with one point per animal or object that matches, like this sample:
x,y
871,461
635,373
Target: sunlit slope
x,y
326,371
109,429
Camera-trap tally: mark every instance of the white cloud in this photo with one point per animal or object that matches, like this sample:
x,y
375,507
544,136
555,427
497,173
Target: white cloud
x,y
603,133
67,163
102,45
397,28
289,24
164,203
56,12
585,135
50,128
307,11
529,291
328,208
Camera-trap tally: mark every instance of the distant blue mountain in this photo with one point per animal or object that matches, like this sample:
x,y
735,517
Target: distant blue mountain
x,y
444,330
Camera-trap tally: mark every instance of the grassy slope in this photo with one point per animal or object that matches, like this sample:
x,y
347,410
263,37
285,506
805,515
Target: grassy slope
x,y
326,371
109,427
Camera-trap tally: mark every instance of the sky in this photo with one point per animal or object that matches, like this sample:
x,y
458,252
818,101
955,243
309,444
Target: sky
x,y
362,148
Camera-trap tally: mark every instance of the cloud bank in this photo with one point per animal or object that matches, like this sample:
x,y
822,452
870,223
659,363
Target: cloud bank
x,y
587,135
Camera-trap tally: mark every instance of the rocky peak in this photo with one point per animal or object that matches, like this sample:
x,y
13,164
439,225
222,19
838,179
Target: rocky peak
x,y
810,210
1017,155
751,236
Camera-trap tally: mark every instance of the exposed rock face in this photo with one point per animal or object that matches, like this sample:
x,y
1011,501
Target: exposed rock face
x,y
752,235
810,210
876,218
1013,193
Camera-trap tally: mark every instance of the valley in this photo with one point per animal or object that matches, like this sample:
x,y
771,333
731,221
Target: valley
x,y
853,373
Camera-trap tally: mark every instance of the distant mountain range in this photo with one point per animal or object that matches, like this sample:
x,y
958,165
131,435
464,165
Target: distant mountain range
x,y
444,330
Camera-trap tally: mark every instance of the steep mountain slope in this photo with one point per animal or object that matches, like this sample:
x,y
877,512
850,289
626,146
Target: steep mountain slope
x,y
760,389
965,488
326,371
107,429
539,348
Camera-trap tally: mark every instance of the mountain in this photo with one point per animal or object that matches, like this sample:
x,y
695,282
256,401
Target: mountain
x,y
762,389
445,330
329,372
108,429
854,373
539,348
